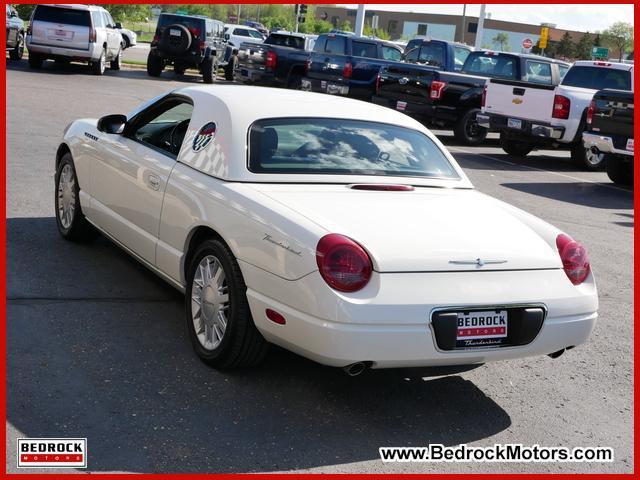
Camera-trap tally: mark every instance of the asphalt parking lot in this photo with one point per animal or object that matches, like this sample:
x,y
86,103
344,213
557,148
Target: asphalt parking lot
x,y
97,346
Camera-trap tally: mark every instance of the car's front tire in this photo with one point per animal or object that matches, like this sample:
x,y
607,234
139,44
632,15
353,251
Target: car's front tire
x,y
514,147
16,52
218,317
71,222
99,66
155,65
467,131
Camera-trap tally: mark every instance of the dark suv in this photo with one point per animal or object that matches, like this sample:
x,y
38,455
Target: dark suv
x,y
186,41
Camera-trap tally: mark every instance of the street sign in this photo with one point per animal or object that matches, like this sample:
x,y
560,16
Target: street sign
x,y
527,43
181,11
544,37
600,53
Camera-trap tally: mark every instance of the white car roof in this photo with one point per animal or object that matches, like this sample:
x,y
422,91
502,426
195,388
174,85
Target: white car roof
x,y
234,25
234,108
73,6
603,64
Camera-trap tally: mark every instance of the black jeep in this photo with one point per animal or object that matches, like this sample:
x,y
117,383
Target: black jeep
x,y
187,41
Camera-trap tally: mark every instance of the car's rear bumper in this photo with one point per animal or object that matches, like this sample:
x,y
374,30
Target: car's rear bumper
x,y
394,328
534,129
324,86
606,143
428,112
93,52
255,76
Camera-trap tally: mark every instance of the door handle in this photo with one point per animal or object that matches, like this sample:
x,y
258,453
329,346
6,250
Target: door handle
x,y
518,91
153,181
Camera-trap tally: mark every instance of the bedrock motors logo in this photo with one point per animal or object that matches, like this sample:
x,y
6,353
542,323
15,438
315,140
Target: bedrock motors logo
x,y
52,453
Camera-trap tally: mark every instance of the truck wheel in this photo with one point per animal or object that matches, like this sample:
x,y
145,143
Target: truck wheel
x,y
99,66
116,63
515,148
35,60
218,317
154,65
17,51
178,70
467,131
127,42
586,157
230,67
295,82
209,69
618,171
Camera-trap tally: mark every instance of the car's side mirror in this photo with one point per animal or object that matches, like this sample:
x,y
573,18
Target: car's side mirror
x,y
118,25
113,124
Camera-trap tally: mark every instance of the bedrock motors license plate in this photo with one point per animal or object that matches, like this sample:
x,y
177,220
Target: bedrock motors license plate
x,y
481,329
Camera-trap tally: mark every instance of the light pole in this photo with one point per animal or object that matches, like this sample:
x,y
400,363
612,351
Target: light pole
x,y
464,18
480,30
360,20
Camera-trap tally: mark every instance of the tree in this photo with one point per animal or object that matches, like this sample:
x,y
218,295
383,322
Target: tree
x,y
596,41
565,46
583,47
24,10
129,12
618,37
501,39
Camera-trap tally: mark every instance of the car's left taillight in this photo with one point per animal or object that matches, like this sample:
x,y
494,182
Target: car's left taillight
x,y
590,110
343,263
561,107
378,84
347,71
483,100
575,260
271,60
437,87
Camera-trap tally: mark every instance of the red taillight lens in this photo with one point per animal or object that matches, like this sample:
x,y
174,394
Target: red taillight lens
x,y
194,31
437,88
92,35
590,110
575,260
483,101
561,107
156,38
343,264
271,60
347,71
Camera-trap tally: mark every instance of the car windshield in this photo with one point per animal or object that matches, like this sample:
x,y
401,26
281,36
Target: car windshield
x,y
63,16
597,78
326,146
490,65
285,41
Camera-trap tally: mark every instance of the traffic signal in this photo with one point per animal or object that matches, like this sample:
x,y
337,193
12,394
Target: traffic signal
x,y
300,19
303,9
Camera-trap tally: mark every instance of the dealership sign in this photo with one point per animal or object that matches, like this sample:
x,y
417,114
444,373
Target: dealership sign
x,y
52,453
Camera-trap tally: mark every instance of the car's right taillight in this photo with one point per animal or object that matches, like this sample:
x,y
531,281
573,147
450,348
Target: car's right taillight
x,y
378,84
271,60
92,35
437,87
575,260
590,110
483,100
347,71
561,107
343,264
307,65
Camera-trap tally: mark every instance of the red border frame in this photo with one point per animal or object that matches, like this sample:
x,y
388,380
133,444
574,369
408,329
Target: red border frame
x,y
4,280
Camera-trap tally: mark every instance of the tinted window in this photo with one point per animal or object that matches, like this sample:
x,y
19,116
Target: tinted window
x,y
241,32
490,65
563,70
390,53
107,20
320,44
413,44
195,23
285,41
432,54
459,56
597,78
538,72
335,45
412,55
324,146
364,49
164,126
254,34
64,16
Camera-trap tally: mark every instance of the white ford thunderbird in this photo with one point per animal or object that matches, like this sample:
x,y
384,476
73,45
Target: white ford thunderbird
x,y
340,230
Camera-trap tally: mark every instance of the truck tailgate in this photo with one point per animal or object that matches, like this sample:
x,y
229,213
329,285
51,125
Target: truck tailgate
x,y
519,99
613,113
251,56
406,83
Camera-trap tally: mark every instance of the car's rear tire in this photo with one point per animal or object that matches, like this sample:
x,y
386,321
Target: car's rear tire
x,y
126,41
71,222
467,131
218,317
230,67
294,82
209,69
514,147
155,65
99,66
35,60
116,63
587,158
17,52
619,172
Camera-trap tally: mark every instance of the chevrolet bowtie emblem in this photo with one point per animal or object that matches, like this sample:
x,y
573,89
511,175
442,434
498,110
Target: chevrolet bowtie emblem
x,y
477,262
517,101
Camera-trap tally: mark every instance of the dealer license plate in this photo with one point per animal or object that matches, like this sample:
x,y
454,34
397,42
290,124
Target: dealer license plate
x,y
481,329
401,106
514,123
174,32
630,144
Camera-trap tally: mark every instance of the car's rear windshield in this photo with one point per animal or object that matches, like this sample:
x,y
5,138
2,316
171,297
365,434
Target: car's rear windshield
x,y
490,65
597,78
64,16
194,23
327,146
285,41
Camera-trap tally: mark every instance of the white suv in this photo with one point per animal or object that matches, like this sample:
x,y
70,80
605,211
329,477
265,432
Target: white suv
x,y
237,34
84,33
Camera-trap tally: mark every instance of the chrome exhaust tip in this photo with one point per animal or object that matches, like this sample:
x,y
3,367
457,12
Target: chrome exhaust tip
x,y
356,369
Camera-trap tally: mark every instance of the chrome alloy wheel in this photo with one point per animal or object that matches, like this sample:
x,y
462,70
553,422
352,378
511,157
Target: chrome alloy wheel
x,y
66,196
594,158
210,302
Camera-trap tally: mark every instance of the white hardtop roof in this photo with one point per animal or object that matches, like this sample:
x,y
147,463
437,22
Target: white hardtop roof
x,y
603,63
74,6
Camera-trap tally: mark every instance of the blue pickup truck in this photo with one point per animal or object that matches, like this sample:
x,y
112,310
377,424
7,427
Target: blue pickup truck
x,y
439,54
343,64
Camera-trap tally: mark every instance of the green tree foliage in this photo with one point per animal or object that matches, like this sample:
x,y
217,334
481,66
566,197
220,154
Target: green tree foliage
x,y
565,46
583,47
618,37
129,12
501,39
24,10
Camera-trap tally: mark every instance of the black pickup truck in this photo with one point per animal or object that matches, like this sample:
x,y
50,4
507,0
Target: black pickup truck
x,y
447,99
610,131
347,65
278,62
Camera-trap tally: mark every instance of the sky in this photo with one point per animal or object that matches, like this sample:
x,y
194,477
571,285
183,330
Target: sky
x,y
582,17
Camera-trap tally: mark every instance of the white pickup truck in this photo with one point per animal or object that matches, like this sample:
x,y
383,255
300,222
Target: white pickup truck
x,y
535,113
